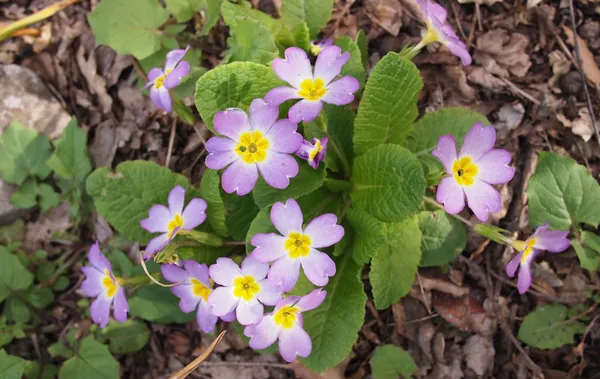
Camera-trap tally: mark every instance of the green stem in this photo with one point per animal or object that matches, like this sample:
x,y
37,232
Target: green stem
x,y
438,205
338,151
336,185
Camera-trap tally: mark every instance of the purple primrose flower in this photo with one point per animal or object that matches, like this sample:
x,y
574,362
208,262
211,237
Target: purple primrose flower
x,y
160,82
297,247
313,88
314,152
316,47
473,172
554,241
253,144
101,283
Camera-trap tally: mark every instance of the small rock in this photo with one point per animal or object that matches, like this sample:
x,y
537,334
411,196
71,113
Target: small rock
x,y
571,83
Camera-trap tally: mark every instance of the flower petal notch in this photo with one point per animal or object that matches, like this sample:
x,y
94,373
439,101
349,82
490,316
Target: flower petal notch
x,y
101,283
253,144
172,219
296,247
161,81
314,152
554,241
285,324
313,87
472,172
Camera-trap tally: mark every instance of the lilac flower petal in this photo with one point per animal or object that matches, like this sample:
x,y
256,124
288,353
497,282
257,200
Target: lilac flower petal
x,y
188,301
341,92
120,305
305,110
263,334
269,293
287,217
229,317
554,241
283,137
223,301
437,11
304,150
161,98
524,280
324,231
176,200
174,57
284,272
446,152
156,244
158,219
263,115
217,161
318,267
97,259
294,342
493,167
220,145
285,302
483,199
100,310
541,229
92,285
511,267
329,63
172,80
249,312
451,195
232,123
253,267
153,74
269,247
205,319
198,271
478,141
174,274
279,95
194,215
312,300
240,177
278,168
459,49
294,68
224,271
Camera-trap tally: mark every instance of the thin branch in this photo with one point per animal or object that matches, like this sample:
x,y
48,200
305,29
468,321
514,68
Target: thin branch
x,y
171,141
143,263
187,370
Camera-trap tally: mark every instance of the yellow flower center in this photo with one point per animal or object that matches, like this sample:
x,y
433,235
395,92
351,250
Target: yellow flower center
x,y
465,171
315,49
527,249
158,82
252,147
431,35
315,151
312,89
245,287
200,290
110,285
286,316
297,245
175,223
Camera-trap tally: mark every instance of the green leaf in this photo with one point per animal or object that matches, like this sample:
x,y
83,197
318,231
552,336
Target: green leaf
x,y
390,362
60,284
212,10
389,104
183,10
307,180
546,327
11,367
186,88
210,191
334,326
443,238
23,153
591,240
340,126
70,158
232,12
33,370
11,331
129,27
394,265
60,350
48,197
316,13
261,224
369,234
354,67
233,85
91,361
25,196
157,304
363,45
319,202
13,276
17,311
203,254
250,41
389,183
563,193
239,213
125,196
588,258
127,337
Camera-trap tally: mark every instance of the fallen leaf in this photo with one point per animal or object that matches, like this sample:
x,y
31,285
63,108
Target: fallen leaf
x,y
479,354
49,224
533,3
481,2
96,83
466,313
479,75
507,50
560,66
510,117
581,126
385,13
588,63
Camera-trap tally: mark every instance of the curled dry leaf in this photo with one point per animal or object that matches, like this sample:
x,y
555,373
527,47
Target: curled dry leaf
x,y
508,51
560,66
509,117
385,13
479,75
95,82
479,354
442,286
466,313
582,125
588,63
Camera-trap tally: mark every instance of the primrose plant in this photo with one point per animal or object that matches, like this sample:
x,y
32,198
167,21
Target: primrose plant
x,y
314,177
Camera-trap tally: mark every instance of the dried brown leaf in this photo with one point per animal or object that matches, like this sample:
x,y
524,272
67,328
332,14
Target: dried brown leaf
x,y
588,63
507,50
466,313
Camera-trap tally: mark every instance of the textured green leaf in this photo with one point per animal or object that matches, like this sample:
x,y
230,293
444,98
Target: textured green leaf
x,y
316,14
17,311
11,367
389,104
125,196
443,238
588,258
239,213
563,193
389,183
48,197
23,153
369,234
158,305
546,327
319,202
233,85
389,362
129,27
251,42
203,254
334,326
340,126
307,180
91,361
394,265
26,195
363,45
210,189
261,224
13,276
126,337
231,13
354,67
70,159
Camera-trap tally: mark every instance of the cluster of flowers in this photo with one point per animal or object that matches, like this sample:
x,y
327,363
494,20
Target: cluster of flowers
x,y
243,290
